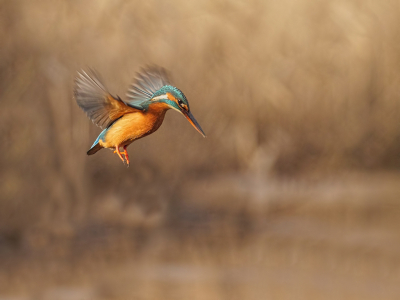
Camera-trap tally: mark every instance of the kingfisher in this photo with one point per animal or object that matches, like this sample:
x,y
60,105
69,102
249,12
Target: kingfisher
x,y
142,113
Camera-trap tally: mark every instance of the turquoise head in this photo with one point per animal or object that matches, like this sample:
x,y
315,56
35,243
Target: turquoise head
x,y
176,100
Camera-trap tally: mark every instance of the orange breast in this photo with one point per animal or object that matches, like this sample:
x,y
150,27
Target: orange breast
x,y
134,126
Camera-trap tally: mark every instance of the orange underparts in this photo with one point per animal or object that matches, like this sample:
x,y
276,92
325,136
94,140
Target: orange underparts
x,y
125,153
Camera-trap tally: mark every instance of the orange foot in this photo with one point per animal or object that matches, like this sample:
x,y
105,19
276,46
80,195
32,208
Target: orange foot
x,y
125,153
126,156
119,153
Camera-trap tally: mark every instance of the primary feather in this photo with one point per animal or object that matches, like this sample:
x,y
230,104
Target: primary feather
x,y
93,97
148,81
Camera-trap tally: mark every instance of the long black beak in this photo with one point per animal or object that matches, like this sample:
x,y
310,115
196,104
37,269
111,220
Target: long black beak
x,y
193,121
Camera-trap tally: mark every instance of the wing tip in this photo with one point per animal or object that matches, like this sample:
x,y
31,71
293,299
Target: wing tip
x,y
148,80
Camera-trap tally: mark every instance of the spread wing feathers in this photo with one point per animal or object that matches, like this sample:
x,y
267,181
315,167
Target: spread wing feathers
x,y
94,99
148,81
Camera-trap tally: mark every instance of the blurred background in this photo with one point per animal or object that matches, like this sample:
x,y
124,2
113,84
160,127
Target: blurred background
x,y
294,194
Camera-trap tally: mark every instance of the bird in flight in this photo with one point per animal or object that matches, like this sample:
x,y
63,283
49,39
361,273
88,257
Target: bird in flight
x,y
142,113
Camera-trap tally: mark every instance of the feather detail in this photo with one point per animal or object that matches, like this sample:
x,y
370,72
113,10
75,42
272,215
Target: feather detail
x,y
94,99
148,81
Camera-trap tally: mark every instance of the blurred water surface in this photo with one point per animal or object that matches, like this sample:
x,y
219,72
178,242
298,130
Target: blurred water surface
x,y
293,194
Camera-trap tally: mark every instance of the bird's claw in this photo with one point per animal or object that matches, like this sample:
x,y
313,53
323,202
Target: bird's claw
x,y
124,159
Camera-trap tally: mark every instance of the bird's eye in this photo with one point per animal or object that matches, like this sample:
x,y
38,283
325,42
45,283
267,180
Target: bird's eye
x,y
180,102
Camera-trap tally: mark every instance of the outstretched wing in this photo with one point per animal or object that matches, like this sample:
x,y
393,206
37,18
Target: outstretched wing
x,y
94,99
148,81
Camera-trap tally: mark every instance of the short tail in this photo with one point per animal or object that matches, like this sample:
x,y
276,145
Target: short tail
x,y
94,149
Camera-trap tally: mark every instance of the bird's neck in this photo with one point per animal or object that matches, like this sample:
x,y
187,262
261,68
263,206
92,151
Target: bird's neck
x,y
155,114
158,108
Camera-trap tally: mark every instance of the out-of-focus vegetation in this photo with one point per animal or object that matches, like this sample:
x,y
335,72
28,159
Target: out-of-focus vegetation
x,y
291,94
